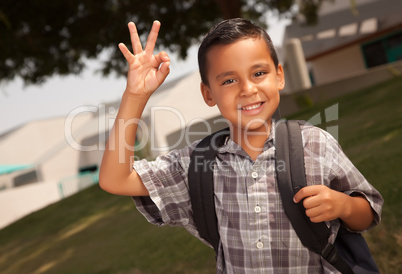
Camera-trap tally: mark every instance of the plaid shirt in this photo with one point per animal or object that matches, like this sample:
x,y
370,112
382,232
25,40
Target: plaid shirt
x,y
256,236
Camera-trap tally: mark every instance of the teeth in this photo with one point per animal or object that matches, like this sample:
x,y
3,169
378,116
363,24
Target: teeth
x,y
252,107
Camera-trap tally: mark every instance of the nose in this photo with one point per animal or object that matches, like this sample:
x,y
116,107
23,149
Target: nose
x,y
248,88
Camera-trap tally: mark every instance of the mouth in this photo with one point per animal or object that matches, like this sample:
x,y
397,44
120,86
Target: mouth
x,y
251,107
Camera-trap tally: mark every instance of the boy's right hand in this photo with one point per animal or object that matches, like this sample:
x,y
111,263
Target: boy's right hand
x,y
146,71
145,74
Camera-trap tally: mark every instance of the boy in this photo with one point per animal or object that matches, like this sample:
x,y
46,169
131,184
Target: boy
x,y
241,75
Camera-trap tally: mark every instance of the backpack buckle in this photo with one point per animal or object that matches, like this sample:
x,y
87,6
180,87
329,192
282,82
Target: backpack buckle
x,y
329,252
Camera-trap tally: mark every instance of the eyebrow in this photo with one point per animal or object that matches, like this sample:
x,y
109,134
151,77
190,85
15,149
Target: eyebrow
x,y
261,65
224,74
256,66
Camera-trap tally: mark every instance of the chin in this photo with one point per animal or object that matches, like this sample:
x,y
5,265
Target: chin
x,y
258,126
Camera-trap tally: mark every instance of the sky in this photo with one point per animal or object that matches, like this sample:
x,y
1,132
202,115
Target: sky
x,y
59,96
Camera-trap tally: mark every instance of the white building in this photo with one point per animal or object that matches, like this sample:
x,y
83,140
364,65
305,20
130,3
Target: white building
x,y
45,161
51,149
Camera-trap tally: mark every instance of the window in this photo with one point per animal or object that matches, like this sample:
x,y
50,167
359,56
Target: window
x,y
375,54
384,50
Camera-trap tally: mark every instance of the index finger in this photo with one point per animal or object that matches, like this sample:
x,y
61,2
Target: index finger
x,y
304,193
153,35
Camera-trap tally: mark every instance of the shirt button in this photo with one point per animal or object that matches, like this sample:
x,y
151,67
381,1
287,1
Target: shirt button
x,y
257,209
254,175
260,245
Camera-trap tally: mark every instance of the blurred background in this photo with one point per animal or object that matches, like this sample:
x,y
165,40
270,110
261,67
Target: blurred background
x,y
61,80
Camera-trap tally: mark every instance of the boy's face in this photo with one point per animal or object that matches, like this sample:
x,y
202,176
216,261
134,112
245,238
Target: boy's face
x,y
243,83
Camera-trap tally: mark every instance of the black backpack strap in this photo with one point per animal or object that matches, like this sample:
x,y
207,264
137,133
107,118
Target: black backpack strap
x,y
201,186
291,178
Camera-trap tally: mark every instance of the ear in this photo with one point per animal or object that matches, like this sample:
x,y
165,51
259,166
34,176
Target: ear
x,y
280,77
206,94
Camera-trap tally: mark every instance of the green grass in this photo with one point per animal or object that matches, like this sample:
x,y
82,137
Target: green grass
x,y
370,133
95,232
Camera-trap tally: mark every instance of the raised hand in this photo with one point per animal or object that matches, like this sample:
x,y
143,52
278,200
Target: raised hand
x,y
146,71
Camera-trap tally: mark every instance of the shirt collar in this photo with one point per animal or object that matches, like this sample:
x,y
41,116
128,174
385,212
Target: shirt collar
x,y
231,147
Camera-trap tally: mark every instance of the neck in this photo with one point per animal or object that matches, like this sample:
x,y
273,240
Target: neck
x,y
251,141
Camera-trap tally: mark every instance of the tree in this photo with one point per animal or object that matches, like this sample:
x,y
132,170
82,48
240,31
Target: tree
x,y
41,38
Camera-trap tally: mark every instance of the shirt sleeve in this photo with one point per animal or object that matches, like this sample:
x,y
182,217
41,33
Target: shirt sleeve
x,y
345,177
166,181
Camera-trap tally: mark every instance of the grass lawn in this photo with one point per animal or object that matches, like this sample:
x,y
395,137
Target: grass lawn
x,y
95,232
370,133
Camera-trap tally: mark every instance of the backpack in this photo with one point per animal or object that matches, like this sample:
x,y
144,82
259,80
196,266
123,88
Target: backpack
x,y
349,253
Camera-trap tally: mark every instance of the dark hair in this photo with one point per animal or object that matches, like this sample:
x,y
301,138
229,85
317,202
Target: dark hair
x,y
228,32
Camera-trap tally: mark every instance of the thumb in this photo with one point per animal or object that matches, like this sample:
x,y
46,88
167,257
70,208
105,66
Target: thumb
x,y
163,72
301,194
164,60
296,198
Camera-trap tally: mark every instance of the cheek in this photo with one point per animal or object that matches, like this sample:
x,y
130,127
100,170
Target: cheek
x,y
272,90
226,104
276,96
273,98
223,97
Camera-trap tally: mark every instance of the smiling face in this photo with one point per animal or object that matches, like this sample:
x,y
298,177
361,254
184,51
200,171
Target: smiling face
x,y
244,83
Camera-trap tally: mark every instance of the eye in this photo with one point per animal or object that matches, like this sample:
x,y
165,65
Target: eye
x,y
229,81
259,74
